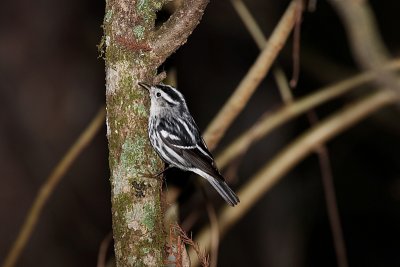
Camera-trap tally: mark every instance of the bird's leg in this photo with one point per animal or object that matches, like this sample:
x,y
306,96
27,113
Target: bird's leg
x,y
157,175
167,167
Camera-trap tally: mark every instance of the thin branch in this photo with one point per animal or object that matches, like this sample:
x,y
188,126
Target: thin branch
x,y
212,215
271,173
283,86
296,48
175,31
365,40
329,192
104,245
259,38
363,33
48,187
201,255
250,23
287,98
214,228
175,247
249,83
282,115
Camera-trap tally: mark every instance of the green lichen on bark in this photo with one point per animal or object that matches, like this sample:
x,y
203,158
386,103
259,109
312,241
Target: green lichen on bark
x,y
136,199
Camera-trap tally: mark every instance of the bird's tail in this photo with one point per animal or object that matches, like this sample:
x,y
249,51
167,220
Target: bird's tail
x,y
224,190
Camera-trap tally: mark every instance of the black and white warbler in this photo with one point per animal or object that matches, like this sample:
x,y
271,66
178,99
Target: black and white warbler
x,y
176,138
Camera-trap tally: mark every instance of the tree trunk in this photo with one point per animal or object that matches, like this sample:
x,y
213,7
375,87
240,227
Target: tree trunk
x,y
134,49
136,200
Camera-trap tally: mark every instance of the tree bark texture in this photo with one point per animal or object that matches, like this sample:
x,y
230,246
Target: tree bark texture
x,y
136,200
134,49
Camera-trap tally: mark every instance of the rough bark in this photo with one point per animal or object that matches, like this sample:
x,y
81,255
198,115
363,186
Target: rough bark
x,y
136,200
132,53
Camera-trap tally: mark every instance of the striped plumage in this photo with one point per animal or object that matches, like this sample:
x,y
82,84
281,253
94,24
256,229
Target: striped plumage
x,y
176,138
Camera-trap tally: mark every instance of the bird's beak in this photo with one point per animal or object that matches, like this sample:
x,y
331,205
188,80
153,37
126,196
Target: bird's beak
x,y
145,86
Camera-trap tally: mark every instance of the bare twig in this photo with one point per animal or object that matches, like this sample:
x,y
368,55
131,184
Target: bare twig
x,y
296,48
363,34
176,251
250,23
329,192
272,121
174,248
174,32
259,38
104,245
287,97
212,215
271,173
201,256
257,72
367,45
48,187
283,86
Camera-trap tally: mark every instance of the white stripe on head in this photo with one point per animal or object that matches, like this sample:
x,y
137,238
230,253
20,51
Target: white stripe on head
x,y
174,91
168,98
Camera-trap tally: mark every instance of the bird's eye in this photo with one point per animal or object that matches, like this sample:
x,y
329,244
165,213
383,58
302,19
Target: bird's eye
x,y
158,94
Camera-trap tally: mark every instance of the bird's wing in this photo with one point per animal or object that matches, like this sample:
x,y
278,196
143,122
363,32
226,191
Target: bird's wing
x,y
182,138
198,158
178,132
190,146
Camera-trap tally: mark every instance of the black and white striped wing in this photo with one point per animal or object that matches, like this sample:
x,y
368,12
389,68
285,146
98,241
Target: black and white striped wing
x,y
184,139
189,152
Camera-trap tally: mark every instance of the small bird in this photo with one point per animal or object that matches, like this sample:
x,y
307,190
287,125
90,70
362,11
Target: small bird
x,y
177,140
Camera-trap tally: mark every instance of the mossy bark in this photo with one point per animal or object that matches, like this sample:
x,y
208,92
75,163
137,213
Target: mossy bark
x,y
136,200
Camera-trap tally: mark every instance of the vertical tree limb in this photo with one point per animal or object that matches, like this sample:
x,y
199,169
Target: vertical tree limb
x,y
133,51
136,200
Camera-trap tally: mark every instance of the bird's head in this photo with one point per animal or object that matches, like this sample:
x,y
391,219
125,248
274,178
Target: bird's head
x,y
164,96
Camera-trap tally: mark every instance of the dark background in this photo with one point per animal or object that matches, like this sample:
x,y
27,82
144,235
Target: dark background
x,y
52,84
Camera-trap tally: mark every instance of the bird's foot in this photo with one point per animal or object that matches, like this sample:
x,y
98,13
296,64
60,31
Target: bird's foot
x,y
154,176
